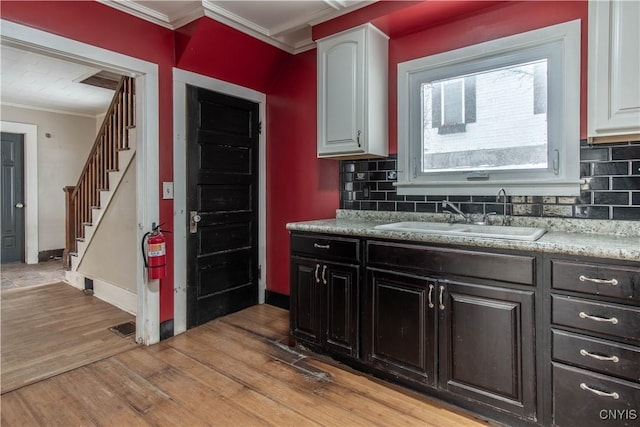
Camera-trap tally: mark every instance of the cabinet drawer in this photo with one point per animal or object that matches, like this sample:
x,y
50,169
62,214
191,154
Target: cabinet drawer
x,y
326,247
611,319
600,355
505,268
582,398
597,279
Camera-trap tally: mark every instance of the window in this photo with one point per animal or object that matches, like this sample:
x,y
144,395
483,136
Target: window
x,y
502,114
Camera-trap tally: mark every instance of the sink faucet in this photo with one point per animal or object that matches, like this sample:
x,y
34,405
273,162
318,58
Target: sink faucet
x,y
445,204
505,218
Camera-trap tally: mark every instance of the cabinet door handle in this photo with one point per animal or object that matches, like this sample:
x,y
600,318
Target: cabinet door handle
x,y
358,138
430,295
612,282
440,297
324,274
316,273
611,320
613,395
613,359
318,246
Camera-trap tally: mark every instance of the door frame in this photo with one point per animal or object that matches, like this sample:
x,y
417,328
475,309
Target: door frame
x,y
181,79
147,135
30,134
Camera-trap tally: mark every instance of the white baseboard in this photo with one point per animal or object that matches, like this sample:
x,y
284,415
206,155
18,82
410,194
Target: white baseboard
x,y
111,294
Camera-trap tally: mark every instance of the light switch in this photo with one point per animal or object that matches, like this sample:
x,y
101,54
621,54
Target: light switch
x,y
167,190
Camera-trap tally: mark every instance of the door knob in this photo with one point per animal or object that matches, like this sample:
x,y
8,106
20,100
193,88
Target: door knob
x,y
194,219
19,205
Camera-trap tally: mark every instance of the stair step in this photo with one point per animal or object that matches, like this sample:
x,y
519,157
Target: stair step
x,y
79,239
122,149
73,254
113,170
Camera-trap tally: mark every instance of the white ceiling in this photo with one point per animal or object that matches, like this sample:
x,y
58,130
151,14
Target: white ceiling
x,y
284,24
33,80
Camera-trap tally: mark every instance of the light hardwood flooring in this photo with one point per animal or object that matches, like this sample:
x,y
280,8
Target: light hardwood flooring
x,y
54,328
234,371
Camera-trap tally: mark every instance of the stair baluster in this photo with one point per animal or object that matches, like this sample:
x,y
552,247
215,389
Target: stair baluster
x,y
103,158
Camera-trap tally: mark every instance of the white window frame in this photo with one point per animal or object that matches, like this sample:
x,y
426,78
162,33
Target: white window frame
x,y
560,44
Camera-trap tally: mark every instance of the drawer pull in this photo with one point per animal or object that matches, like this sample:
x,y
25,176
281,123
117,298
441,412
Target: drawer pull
x,y
318,246
430,295
613,395
611,320
316,273
612,282
613,359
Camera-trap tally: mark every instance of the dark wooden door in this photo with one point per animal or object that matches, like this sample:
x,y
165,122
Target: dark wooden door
x,y
341,320
400,325
487,345
12,197
307,300
222,193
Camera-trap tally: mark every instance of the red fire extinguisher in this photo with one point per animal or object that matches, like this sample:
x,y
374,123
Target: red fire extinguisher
x,y
155,257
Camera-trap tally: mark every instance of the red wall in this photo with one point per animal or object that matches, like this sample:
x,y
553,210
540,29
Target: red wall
x,y
213,49
300,186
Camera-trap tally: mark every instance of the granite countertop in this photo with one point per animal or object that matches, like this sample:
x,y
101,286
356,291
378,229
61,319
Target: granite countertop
x,y
604,239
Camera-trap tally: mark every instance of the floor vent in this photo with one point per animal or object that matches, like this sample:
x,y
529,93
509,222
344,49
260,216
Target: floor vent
x,y
124,329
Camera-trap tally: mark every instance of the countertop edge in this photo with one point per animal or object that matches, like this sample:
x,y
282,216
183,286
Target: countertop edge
x,y
553,242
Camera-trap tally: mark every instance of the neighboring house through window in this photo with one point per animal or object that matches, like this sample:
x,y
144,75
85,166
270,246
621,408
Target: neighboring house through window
x,y
453,104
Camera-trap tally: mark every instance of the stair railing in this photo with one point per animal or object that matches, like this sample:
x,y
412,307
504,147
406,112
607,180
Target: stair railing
x,y
112,138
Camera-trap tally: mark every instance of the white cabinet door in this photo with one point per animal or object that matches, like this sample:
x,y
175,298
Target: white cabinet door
x,y
341,95
614,68
352,94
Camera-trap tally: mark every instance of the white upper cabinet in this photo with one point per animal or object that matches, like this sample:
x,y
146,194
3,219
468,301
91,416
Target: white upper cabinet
x,y
352,94
614,69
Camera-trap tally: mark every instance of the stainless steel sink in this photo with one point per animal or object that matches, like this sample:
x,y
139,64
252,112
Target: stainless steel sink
x,y
471,230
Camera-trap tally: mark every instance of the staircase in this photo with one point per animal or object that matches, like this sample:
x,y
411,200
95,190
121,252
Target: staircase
x,y
111,155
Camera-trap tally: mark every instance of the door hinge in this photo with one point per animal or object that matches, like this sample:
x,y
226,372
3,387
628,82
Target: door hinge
x,y
259,128
259,272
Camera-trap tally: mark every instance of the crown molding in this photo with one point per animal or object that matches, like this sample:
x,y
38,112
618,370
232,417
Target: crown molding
x,y
148,14
276,36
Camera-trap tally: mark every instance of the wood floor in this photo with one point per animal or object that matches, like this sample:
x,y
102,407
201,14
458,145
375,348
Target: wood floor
x,y
234,371
54,328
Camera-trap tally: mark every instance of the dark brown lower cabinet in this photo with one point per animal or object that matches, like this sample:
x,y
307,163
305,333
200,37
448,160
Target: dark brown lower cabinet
x,y
324,304
487,345
584,398
400,326
456,323
478,340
